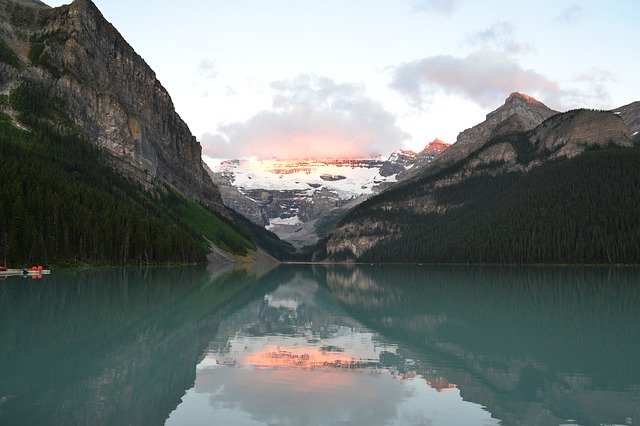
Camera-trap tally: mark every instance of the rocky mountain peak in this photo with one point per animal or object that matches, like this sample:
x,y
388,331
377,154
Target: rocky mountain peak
x,y
519,113
522,97
401,154
86,6
434,147
531,111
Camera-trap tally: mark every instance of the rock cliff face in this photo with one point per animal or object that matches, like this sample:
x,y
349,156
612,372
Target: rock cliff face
x,y
109,91
520,136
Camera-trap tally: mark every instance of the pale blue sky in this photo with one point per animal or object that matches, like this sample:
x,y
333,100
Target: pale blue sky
x,y
375,76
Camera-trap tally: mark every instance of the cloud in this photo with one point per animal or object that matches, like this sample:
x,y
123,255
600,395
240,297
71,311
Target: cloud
x,y
501,37
311,117
208,68
570,14
445,7
594,93
485,77
596,75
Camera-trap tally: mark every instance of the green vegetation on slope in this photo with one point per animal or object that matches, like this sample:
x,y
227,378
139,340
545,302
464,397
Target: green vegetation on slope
x,y
582,210
8,56
196,217
61,203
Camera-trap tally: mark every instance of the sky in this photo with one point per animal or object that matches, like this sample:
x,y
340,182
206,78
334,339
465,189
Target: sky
x,y
308,79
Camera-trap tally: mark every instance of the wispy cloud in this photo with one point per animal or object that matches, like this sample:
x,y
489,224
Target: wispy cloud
x,y
501,36
445,7
570,14
594,93
312,117
208,68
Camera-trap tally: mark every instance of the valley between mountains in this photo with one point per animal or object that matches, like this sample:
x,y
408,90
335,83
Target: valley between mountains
x,y
98,168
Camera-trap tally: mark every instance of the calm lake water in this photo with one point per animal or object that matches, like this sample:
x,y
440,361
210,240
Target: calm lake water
x,y
305,345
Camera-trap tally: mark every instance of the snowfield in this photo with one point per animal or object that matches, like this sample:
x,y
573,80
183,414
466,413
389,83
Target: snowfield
x,y
362,175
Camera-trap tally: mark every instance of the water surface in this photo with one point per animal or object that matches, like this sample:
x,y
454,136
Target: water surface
x,y
322,345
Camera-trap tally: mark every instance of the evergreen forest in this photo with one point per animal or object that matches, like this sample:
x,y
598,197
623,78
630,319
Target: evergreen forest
x,y
582,210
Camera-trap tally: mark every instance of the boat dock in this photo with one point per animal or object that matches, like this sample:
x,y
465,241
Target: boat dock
x,y
21,272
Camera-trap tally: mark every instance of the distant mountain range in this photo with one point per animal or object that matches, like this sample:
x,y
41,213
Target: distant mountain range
x,y
299,199
527,185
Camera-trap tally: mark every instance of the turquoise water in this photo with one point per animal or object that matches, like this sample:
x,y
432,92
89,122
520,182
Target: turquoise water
x,y
322,345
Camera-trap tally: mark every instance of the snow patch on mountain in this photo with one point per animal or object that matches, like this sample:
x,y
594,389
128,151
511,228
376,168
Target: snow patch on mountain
x,y
277,221
347,178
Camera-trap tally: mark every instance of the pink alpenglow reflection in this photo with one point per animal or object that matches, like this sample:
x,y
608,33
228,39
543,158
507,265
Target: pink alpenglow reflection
x,y
308,357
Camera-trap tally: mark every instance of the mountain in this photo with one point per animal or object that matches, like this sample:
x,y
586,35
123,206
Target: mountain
x,y
293,198
300,200
519,113
106,151
527,185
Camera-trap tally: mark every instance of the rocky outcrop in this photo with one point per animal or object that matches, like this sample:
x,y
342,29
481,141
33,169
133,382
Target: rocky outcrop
x,y
571,133
111,95
398,162
630,114
434,148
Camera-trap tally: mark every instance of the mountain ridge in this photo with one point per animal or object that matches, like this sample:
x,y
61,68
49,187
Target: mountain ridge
x,y
529,136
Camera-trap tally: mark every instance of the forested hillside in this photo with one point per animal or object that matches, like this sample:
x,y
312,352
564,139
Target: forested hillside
x,y
580,210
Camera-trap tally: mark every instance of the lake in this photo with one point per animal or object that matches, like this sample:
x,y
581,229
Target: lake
x,y
306,345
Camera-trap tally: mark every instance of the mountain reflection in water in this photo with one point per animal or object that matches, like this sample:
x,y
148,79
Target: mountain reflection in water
x,y
429,345
296,357
322,345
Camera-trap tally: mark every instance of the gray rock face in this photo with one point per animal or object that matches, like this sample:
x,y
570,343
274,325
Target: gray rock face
x,y
572,133
630,114
114,97
398,162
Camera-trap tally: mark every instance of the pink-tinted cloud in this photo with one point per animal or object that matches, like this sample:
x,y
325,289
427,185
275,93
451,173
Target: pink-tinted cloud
x,y
485,77
312,117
